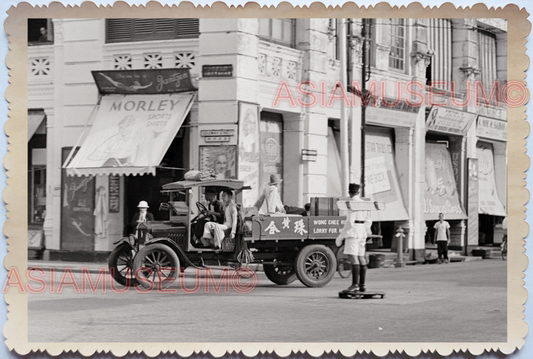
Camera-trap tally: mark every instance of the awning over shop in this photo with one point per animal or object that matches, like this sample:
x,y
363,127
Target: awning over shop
x,y
35,118
130,134
381,178
441,194
489,201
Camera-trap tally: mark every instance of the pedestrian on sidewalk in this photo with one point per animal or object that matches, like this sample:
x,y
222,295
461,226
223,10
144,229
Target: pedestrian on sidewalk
x,y
355,232
442,237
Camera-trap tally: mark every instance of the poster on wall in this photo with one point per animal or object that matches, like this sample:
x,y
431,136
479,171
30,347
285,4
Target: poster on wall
x,y
271,134
221,160
381,180
77,207
440,195
249,151
489,201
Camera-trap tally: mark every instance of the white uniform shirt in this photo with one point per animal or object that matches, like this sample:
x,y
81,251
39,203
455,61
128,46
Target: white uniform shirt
x,y
357,230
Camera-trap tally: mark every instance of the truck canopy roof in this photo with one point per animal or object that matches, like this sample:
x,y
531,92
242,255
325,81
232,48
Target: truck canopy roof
x,y
228,183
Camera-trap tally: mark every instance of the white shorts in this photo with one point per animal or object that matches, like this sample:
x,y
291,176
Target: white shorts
x,y
354,246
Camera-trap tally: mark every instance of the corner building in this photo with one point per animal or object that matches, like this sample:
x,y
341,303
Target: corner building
x,y
248,117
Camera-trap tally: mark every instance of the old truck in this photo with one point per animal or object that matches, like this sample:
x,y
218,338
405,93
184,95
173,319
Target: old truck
x,y
289,247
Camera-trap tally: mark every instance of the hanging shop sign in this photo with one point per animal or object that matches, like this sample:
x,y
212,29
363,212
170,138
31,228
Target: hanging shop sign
x,y
491,128
217,70
449,120
152,81
391,113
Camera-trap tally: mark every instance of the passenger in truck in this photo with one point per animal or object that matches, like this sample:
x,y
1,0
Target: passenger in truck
x,y
215,213
216,232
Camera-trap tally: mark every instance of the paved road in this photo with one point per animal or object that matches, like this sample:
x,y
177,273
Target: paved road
x,y
458,302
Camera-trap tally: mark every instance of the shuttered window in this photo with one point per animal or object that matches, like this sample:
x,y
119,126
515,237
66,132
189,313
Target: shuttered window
x,y
127,30
440,42
487,59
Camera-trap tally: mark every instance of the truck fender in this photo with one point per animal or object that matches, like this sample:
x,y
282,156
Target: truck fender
x,y
129,239
181,255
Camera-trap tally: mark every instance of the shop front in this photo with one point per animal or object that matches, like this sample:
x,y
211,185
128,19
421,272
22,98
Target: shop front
x,y
492,174
445,171
133,144
388,138
36,180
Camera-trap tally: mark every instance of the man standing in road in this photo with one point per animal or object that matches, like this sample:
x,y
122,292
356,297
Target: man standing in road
x,y
442,237
356,230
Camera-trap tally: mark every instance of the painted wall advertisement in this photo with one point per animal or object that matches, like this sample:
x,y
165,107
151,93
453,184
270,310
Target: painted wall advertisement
x,y
381,180
249,151
441,194
489,201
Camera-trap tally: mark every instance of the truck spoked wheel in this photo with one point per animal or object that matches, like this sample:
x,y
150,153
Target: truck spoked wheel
x,y
280,274
156,266
120,265
315,265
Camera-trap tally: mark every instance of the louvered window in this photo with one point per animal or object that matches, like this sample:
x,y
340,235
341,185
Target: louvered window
x,y
127,30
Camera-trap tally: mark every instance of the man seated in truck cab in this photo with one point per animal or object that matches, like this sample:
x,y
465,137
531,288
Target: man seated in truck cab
x,y
216,232
213,213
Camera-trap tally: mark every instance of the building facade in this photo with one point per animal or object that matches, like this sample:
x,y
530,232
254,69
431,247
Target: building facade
x,y
263,91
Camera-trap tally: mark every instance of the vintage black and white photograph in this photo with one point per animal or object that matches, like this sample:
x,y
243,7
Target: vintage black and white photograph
x,y
269,180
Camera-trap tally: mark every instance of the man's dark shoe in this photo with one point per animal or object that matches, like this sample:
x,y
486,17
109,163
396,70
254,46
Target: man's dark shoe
x,y
354,288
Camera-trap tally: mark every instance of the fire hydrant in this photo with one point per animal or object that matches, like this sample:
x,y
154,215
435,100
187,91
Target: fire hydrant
x,y
400,236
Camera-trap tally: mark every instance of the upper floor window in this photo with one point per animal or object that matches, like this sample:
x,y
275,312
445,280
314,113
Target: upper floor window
x,y
129,30
280,31
487,59
40,32
397,50
439,72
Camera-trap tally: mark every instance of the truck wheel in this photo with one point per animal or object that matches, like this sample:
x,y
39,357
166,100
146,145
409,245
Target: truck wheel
x,y
279,274
120,265
156,266
315,265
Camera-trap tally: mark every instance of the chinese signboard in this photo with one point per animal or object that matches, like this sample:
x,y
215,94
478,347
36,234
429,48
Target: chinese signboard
x,y
296,227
